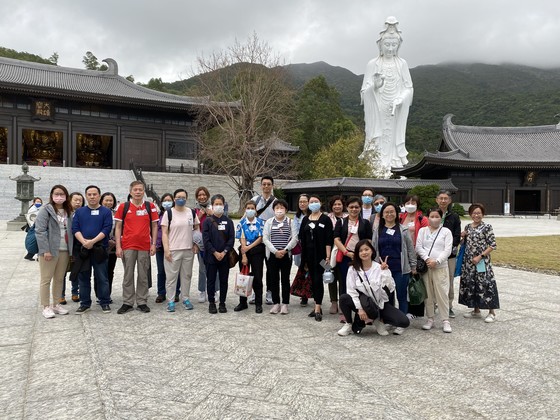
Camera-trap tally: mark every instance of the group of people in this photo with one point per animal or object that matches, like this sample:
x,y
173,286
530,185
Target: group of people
x,y
372,247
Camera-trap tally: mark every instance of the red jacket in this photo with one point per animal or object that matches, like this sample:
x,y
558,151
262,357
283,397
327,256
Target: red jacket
x,y
420,222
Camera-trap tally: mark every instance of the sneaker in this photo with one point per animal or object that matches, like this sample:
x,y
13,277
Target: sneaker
x,y
472,314
124,309
144,308
82,309
75,298
240,307
62,301
48,312
410,316
269,298
252,299
490,318
446,326
160,298
380,327
177,298
275,309
170,306
258,309
284,309
345,330
222,308
57,309
212,308
106,309
303,302
428,325
342,319
188,305
398,331
201,297
451,313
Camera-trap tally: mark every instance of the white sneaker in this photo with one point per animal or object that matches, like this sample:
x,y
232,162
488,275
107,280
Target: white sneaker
x,y
490,318
380,327
428,325
345,330
251,300
446,327
268,299
57,309
275,309
398,331
284,309
48,312
201,297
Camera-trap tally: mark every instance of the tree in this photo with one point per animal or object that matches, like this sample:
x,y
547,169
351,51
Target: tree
x,y
92,63
155,84
320,121
341,159
427,196
245,114
53,59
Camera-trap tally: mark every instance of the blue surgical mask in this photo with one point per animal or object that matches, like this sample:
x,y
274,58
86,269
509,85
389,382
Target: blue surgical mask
x,y
250,213
366,199
180,201
167,204
378,207
37,205
314,207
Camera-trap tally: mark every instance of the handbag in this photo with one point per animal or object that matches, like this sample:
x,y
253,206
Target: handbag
x,y
296,250
332,259
301,286
421,266
416,290
459,260
243,285
339,254
233,258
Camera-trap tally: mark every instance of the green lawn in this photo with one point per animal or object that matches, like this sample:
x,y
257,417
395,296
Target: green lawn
x,y
540,253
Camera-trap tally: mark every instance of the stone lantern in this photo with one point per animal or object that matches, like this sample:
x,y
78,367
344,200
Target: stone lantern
x,y
25,191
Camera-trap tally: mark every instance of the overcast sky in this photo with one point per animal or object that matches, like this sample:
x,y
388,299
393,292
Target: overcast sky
x,y
162,38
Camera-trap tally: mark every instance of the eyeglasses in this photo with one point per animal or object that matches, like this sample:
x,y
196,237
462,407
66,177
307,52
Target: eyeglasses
x,y
379,202
354,208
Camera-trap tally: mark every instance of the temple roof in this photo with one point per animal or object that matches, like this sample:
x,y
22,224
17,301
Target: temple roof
x,y
493,148
377,184
91,85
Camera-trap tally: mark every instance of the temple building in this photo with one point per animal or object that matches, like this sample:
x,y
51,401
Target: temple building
x,y
511,170
53,115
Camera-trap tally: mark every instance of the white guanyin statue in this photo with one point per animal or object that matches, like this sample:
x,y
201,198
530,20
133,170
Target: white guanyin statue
x,y
386,95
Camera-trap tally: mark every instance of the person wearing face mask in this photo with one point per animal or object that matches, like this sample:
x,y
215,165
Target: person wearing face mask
x,y
55,247
302,211
378,202
218,235
177,227
166,203
280,237
316,237
30,217
394,245
109,200
249,231
434,246
414,220
336,204
368,213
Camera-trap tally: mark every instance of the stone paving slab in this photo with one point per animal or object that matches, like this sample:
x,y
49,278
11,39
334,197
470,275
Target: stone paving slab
x,y
191,364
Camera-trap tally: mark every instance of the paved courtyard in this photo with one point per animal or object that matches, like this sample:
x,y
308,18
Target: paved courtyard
x,y
245,365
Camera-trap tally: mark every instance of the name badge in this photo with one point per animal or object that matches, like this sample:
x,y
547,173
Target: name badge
x,y
321,225
279,225
411,225
390,232
252,228
312,225
95,212
221,227
353,229
141,212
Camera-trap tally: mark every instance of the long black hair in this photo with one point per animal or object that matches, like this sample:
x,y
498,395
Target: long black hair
x,y
357,262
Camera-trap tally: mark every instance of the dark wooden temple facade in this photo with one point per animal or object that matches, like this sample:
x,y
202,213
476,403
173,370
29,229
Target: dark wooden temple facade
x,y
511,170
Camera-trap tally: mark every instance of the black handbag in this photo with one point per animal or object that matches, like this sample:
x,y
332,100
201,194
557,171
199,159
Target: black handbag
x,y
421,266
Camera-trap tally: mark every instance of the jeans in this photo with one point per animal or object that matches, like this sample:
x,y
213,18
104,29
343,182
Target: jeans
x,y
84,278
401,286
74,286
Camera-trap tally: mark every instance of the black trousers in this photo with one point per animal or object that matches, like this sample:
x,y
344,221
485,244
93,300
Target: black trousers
x,y
389,314
279,272
255,256
317,285
220,269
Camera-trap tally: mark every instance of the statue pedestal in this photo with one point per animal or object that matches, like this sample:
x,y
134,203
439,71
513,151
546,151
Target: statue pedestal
x,y
16,224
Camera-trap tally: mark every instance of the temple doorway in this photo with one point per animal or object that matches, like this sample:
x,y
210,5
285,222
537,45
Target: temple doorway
x,y
527,201
42,147
94,150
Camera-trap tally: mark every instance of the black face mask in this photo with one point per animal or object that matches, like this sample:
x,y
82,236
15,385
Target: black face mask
x,y
204,204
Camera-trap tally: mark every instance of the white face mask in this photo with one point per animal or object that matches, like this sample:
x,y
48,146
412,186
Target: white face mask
x,y
410,208
280,213
250,213
218,210
435,222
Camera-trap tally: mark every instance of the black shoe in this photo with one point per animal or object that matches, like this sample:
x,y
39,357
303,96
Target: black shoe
x,y
124,309
258,309
29,257
312,314
240,307
303,302
82,309
176,298
160,298
144,308
212,308
222,308
106,309
319,316
358,325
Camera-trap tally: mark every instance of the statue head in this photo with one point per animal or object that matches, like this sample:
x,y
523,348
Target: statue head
x,y
390,38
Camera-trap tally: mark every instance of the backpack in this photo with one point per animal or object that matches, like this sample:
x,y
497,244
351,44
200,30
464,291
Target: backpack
x,y
170,216
31,241
125,211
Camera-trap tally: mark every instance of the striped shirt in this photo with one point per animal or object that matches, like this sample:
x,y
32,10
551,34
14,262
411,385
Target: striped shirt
x,y
280,233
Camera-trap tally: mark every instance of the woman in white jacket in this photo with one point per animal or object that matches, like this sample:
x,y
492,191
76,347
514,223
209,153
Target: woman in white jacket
x,y
367,284
433,245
